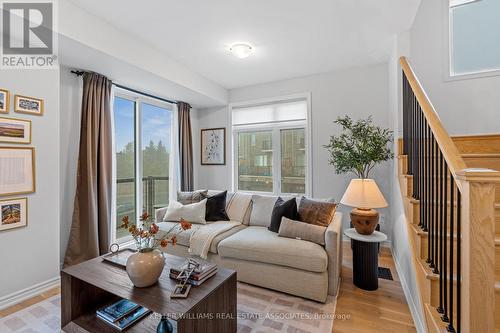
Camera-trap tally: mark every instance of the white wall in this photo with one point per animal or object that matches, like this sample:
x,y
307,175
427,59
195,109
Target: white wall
x,y
399,234
466,106
30,256
70,106
358,92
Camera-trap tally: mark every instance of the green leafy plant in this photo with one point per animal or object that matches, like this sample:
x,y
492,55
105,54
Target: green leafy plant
x,y
359,147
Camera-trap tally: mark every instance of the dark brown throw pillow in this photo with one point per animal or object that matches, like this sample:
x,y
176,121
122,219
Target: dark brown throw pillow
x,y
316,212
216,207
282,209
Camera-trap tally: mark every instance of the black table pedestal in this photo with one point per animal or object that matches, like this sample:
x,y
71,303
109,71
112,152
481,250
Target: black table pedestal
x,y
365,264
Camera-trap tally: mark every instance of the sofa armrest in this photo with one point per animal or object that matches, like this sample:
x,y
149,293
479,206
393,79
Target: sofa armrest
x,y
160,214
333,248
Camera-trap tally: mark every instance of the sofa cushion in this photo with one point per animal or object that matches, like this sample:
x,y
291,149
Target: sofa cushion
x,y
238,207
183,237
262,208
261,245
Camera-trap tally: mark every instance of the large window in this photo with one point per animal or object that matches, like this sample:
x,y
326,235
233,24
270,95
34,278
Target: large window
x,y
270,147
474,29
142,144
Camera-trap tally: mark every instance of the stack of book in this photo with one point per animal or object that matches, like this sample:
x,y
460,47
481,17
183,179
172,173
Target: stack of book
x,y
199,275
122,313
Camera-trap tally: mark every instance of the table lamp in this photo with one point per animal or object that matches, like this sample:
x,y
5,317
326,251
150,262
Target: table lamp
x,y
364,195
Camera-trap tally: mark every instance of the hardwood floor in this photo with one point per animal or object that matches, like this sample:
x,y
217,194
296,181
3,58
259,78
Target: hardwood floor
x,y
29,302
384,310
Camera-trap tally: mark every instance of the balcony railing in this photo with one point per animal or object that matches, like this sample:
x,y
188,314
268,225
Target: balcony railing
x,y
155,194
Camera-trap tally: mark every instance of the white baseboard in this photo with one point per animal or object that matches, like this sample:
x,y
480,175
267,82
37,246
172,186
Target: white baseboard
x,y
21,295
415,313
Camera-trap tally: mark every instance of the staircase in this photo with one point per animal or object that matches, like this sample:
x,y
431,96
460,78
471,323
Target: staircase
x,y
451,192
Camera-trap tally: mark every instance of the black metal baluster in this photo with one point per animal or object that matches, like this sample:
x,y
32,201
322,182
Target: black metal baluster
x,y
405,114
442,239
415,162
451,233
430,235
437,202
445,317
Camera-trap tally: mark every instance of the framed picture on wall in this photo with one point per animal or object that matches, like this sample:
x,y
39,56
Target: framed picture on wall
x,y
213,146
28,105
13,213
15,130
4,101
17,170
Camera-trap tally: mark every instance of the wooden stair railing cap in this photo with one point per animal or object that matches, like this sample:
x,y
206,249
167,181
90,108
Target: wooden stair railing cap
x,y
479,175
450,152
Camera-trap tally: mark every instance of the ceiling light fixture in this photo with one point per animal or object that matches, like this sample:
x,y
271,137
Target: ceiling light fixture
x,y
241,50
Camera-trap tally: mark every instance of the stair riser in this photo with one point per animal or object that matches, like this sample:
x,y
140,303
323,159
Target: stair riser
x,y
422,241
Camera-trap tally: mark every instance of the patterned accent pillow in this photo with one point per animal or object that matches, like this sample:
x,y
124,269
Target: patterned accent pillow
x,y
187,198
316,212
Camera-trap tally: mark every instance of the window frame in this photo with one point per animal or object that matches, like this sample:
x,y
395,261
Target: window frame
x,y
447,47
276,128
138,100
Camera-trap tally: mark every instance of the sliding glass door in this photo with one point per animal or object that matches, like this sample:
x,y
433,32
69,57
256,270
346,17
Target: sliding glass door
x,y
143,129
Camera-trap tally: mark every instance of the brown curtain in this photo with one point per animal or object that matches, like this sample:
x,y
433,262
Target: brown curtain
x,y
185,147
89,236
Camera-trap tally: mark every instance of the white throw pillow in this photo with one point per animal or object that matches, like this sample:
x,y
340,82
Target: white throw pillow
x,y
194,213
262,209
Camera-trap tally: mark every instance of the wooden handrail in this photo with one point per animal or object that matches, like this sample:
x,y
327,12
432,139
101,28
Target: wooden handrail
x,y
450,152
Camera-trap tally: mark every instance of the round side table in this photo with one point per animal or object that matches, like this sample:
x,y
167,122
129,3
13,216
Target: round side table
x,y
365,258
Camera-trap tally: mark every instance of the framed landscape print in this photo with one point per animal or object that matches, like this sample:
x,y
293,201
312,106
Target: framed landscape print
x,y
13,213
17,170
15,130
4,101
29,105
213,146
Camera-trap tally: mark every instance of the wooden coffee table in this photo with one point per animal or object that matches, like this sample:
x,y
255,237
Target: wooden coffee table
x,y
90,285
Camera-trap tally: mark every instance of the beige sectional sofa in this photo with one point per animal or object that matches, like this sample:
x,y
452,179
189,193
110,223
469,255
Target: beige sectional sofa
x,y
262,258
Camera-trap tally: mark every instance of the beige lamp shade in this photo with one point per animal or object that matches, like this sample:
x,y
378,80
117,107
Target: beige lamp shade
x,y
363,193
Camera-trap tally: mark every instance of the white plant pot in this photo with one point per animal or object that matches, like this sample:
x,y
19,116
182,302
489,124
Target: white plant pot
x,y
144,268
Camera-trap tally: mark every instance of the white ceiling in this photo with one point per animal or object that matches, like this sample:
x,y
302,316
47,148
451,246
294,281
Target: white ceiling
x,y
292,38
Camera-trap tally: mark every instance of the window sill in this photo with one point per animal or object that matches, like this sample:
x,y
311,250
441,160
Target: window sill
x,y
471,76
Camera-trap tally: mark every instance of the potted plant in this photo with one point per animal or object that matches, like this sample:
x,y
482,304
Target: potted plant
x,y
358,149
146,265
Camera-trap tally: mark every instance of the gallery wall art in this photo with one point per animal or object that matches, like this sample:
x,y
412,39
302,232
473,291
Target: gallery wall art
x,y
13,213
28,105
17,170
213,146
4,101
15,130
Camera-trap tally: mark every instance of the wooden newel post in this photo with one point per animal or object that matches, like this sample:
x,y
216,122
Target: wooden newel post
x,y
478,249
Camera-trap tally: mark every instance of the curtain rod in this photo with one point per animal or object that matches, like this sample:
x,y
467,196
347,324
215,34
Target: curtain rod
x,y
80,73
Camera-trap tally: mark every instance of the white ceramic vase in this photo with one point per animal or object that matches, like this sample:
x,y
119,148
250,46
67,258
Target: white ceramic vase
x,y
144,268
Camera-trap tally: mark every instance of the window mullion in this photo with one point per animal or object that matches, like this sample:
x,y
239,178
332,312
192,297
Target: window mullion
x,y
138,162
276,170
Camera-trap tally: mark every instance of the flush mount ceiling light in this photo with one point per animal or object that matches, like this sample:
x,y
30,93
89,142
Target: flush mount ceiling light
x,y
241,50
